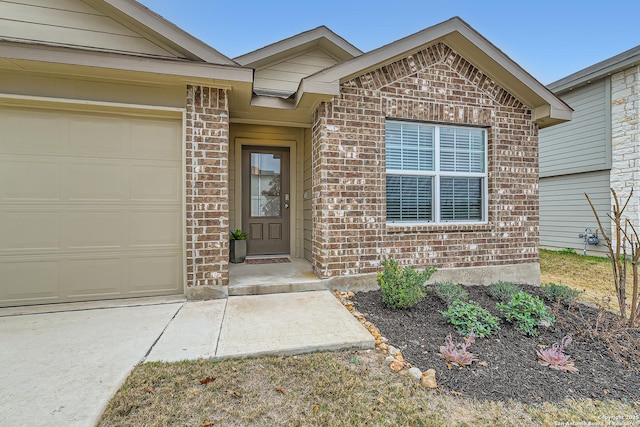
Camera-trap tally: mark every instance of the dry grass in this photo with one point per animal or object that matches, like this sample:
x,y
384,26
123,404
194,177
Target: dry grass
x,y
322,389
585,273
342,388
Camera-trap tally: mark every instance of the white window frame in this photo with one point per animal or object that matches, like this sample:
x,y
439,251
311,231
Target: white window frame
x,y
437,174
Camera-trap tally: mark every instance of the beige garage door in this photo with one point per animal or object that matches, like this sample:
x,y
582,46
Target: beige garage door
x,y
90,206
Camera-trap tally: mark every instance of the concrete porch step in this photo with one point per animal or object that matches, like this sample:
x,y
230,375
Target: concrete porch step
x,y
276,287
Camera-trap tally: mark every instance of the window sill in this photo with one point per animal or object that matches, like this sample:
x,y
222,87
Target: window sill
x,y
393,227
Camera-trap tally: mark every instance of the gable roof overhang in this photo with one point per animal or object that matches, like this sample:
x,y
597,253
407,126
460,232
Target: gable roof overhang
x,y
95,64
620,62
547,108
320,36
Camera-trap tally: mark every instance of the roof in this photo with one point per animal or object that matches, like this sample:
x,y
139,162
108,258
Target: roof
x,y
320,36
622,61
547,108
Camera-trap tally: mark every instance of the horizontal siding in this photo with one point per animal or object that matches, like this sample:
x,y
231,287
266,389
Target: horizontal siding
x,y
565,212
582,144
71,23
286,75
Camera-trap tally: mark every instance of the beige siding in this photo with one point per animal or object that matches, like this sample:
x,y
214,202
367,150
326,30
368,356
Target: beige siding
x,y
565,212
584,143
67,88
72,23
90,206
285,76
307,198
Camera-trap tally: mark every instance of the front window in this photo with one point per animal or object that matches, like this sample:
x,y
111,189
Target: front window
x,y
435,173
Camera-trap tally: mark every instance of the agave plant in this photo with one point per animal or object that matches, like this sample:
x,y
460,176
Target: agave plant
x,y
555,358
457,354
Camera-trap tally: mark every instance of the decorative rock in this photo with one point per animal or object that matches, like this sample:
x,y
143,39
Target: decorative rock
x,y
351,294
393,350
415,373
398,356
389,358
428,379
397,366
383,346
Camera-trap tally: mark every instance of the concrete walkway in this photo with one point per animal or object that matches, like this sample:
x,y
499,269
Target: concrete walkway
x,y
61,368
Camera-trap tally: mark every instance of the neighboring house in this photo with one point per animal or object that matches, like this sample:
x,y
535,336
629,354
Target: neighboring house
x,y
127,146
597,150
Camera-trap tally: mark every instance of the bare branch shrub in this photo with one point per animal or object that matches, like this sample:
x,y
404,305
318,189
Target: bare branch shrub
x,y
626,238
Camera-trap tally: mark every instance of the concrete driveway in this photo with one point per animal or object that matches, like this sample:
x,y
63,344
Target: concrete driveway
x,y
61,369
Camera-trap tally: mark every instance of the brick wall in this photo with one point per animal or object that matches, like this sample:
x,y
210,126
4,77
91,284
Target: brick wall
x,y
207,192
625,138
350,233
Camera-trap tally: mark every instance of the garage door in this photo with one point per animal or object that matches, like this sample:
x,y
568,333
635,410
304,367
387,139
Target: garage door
x,y
90,206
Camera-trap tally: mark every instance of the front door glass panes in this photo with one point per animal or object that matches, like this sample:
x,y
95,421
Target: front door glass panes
x,y
265,185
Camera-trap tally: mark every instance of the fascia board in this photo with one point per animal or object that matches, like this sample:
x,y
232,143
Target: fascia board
x,y
168,30
112,61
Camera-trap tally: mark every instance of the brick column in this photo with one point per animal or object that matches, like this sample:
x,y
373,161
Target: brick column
x,y
207,192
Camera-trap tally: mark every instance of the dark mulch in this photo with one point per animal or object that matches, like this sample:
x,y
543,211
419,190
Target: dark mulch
x,y
512,370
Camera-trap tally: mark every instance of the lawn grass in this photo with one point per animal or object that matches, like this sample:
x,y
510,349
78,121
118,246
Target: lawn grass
x,y
322,389
586,273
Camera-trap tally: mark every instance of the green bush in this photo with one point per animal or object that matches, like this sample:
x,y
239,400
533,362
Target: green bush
x,y
503,291
449,292
526,312
402,287
559,293
466,316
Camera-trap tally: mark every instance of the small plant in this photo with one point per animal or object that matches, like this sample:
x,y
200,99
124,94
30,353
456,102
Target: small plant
x,y
503,291
402,287
470,316
526,312
238,235
456,353
555,358
559,293
449,292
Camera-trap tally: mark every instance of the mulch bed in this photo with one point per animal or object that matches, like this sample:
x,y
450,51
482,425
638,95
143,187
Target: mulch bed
x,y
606,371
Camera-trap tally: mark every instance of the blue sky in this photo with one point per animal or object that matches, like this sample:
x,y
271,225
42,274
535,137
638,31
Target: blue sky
x,y
549,39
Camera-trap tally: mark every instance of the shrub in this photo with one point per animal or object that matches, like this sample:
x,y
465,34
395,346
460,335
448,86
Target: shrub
x,y
456,353
468,316
559,293
449,292
402,287
503,291
526,312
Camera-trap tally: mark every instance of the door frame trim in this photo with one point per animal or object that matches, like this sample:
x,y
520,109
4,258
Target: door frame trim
x,y
282,143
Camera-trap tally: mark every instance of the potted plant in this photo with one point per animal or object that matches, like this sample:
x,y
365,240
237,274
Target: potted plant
x,y
238,246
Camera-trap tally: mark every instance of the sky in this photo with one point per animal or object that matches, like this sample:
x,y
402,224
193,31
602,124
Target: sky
x,y
549,39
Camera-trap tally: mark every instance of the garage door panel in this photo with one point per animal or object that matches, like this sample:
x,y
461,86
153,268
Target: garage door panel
x,y
94,181
95,277
152,139
155,228
25,281
19,135
94,230
30,178
91,206
98,136
43,231
149,273
156,182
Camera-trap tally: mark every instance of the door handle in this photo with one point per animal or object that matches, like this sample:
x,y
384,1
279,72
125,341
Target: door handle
x,y
286,205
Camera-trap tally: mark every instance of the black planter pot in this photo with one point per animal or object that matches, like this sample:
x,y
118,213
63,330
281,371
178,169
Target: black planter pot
x,y
237,251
